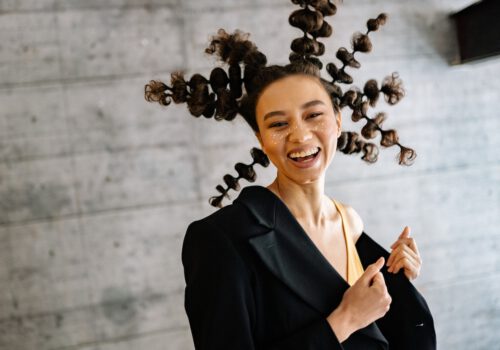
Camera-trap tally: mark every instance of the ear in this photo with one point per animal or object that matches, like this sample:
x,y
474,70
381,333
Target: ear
x,y
338,119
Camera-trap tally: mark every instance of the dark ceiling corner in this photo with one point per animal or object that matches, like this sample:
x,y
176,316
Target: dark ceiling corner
x,y
478,31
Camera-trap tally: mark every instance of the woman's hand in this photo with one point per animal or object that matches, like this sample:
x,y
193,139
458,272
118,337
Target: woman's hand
x,y
365,301
405,255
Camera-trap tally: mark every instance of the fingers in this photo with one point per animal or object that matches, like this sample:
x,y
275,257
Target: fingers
x,y
378,279
372,270
403,236
402,250
410,242
379,283
400,262
413,245
406,232
411,268
404,257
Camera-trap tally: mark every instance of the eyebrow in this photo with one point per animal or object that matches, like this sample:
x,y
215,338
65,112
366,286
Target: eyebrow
x,y
304,106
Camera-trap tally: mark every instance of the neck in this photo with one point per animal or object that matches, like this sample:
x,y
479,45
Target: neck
x,y
307,202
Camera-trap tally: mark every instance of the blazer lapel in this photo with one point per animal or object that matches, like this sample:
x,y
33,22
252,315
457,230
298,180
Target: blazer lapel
x,y
289,253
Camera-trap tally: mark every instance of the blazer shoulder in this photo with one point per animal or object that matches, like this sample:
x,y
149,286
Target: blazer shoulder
x,y
221,218
203,235
209,245
230,223
208,225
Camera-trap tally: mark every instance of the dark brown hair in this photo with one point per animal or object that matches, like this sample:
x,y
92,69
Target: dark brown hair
x,y
226,94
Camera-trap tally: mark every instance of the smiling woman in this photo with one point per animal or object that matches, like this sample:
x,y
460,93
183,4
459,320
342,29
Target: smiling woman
x,y
298,126
285,266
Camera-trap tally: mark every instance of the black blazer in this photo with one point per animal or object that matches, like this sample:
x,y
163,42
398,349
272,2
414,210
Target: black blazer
x,y
255,280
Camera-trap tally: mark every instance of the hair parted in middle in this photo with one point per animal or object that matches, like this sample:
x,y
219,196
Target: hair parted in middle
x,y
236,91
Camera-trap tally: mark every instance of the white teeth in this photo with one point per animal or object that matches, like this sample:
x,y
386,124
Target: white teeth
x,y
304,154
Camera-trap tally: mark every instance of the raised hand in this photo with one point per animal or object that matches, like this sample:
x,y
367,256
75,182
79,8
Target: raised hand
x,y
405,255
365,301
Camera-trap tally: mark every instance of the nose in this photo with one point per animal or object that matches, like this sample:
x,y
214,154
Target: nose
x,y
299,133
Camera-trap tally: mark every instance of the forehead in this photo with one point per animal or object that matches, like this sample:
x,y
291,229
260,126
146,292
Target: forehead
x,y
289,93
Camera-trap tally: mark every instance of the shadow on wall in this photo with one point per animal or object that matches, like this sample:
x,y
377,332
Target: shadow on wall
x,y
435,33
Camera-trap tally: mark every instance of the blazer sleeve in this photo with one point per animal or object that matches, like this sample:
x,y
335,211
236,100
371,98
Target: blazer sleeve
x,y
409,323
217,296
219,302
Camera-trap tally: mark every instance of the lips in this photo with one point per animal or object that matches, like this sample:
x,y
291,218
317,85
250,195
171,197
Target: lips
x,y
306,159
303,152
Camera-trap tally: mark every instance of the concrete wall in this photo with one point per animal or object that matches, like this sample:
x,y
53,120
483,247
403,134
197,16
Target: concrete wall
x,y
97,186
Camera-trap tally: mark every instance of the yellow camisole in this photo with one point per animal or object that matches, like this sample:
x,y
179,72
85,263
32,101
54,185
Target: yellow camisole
x,y
354,266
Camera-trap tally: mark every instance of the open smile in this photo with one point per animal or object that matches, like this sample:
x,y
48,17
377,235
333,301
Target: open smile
x,y
306,161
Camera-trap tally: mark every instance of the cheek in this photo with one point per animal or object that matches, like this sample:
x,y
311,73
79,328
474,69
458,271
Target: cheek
x,y
327,134
326,129
277,138
273,146
273,140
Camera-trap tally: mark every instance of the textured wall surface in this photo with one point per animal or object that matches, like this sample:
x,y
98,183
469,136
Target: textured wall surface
x,y
97,186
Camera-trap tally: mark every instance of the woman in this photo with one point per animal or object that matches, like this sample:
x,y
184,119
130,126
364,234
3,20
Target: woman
x,y
284,266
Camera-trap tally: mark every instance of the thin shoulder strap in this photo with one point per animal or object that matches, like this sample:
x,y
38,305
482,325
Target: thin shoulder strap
x,y
344,218
354,266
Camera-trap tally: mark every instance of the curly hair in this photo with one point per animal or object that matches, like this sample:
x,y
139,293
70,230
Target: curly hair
x,y
226,94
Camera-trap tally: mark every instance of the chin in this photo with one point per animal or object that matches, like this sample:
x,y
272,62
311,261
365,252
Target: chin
x,y
306,177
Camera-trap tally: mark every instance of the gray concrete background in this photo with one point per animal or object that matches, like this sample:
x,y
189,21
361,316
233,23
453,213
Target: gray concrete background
x,y
97,186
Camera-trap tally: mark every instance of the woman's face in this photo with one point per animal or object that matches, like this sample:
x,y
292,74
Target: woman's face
x,y
296,118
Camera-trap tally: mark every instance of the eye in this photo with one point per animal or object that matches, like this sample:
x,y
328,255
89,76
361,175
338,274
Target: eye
x,y
314,115
277,124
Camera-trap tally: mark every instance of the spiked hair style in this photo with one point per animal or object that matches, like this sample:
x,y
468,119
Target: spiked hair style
x,y
226,94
